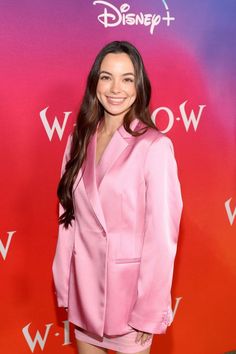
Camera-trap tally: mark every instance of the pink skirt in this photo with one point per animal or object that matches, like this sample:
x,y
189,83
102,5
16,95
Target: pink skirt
x,y
122,343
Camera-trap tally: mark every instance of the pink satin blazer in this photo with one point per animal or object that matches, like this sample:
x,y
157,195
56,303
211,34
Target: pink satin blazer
x,y
113,267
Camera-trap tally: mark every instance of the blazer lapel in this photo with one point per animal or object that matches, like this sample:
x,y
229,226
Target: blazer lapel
x,y
89,178
119,141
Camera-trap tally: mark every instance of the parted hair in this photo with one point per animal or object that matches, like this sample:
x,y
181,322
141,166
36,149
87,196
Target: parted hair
x,y
91,112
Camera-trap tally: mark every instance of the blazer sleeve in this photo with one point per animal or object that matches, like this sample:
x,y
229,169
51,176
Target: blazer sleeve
x,y
64,248
152,310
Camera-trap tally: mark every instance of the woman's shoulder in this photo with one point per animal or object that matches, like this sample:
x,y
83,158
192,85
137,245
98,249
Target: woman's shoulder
x,y
153,135
156,141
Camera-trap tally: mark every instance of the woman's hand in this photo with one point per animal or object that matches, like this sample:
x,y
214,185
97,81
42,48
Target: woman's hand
x,y
143,337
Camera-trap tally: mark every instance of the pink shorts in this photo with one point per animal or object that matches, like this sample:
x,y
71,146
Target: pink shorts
x,y
122,343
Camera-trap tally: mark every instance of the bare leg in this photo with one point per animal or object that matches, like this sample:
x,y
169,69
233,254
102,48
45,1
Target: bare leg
x,y
86,348
145,351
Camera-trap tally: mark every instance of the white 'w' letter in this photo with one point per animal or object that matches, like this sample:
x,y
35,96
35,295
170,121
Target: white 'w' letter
x,y
4,249
37,338
56,126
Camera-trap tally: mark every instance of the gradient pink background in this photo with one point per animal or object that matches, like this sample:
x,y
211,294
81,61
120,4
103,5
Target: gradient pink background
x,y
47,49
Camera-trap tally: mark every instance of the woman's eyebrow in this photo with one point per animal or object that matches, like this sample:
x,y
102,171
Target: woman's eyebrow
x,y
128,74
106,72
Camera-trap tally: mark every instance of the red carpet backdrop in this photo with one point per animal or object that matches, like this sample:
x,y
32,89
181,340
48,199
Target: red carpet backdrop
x,y
47,48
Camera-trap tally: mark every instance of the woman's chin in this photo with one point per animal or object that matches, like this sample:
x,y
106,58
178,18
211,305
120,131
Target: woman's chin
x,y
116,112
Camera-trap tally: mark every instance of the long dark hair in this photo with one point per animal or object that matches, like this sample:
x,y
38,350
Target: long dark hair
x,y
91,112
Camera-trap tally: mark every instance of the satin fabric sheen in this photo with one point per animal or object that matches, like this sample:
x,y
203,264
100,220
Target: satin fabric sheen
x,y
113,267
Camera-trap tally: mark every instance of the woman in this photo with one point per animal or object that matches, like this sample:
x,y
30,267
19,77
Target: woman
x,y
120,209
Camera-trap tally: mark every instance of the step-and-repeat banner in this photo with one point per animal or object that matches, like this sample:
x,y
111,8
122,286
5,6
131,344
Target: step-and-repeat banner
x,y
47,49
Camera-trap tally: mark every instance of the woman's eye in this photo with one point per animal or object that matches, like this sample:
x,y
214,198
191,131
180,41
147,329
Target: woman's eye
x,y
128,79
104,77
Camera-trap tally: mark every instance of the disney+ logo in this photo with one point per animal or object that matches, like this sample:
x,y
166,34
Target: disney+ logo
x,y
113,16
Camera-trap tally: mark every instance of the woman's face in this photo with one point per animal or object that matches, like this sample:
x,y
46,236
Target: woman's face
x,y
116,84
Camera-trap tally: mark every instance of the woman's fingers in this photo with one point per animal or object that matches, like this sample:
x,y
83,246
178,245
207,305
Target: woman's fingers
x,y
143,337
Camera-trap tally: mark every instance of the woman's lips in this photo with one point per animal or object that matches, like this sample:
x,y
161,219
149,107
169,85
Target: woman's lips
x,y
115,100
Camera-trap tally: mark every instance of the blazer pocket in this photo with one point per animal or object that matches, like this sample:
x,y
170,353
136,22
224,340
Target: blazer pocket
x,y
128,260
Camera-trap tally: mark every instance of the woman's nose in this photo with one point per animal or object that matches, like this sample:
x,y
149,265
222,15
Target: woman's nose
x,y
115,86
